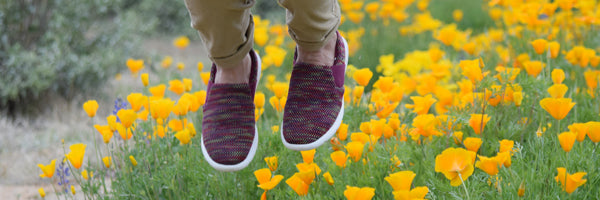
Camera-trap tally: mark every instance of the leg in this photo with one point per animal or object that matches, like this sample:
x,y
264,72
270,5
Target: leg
x,y
313,25
229,135
226,28
314,108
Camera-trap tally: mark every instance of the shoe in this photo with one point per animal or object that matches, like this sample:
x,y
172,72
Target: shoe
x,y
229,134
315,105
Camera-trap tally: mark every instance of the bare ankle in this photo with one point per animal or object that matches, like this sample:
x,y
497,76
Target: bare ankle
x,y
324,56
237,73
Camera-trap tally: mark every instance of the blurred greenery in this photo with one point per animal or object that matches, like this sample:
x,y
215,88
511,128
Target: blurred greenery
x,y
71,47
57,47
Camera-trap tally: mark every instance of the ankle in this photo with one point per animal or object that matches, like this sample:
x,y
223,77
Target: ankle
x,y
324,56
237,73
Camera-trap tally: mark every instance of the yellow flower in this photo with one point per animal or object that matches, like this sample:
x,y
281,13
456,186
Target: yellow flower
x,y
488,165
265,181
472,70
42,192
166,62
259,100
569,182
76,154
581,129
593,131
355,150
339,158
135,65
401,180
85,174
447,35
342,132
425,125
558,75
181,42
261,35
188,84
127,117
180,66
521,191
161,108
456,164
137,100
355,17
557,107
567,139
362,76
415,193
518,98
277,104
73,189
200,97
554,49
355,193
183,136
144,78
176,86
421,104
280,89
133,161
107,161
299,182
472,144
200,66
533,68
558,90
478,122
308,156
276,53
506,146
457,15
90,107
182,107
48,170
539,45
158,91
205,77
328,178
272,162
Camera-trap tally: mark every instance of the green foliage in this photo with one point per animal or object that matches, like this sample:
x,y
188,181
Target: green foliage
x,y
57,47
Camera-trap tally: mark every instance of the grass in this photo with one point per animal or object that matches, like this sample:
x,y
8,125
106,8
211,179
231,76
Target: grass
x,y
167,169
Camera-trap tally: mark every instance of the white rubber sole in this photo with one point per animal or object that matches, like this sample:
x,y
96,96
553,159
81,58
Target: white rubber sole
x,y
250,156
331,132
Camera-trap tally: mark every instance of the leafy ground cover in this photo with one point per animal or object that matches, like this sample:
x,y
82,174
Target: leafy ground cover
x,y
497,101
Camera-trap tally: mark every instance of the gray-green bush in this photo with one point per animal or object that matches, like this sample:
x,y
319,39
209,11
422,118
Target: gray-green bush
x,y
57,46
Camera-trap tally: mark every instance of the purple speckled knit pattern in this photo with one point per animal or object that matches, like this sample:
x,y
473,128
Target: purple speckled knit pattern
x,y
314,99
228,121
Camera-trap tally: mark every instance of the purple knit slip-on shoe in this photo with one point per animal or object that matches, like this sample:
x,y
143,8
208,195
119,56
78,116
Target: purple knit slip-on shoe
x,y
315,105
229,135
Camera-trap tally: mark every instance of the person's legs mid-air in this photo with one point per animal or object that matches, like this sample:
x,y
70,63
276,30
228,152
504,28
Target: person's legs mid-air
x,y
229,135
315,106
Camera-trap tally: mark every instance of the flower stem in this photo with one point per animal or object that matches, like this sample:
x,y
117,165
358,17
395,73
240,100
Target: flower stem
x,y
464,186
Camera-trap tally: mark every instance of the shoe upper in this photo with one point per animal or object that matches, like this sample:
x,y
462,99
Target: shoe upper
x,y
228,125
315,99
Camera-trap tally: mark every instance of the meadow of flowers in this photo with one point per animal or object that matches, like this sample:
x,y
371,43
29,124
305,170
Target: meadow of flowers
x,y
440,110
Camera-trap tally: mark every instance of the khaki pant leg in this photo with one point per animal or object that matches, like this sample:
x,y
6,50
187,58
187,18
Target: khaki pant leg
x,y
225,26
312,22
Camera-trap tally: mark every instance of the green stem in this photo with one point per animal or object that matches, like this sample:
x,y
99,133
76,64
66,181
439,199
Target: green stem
x,y
464,186
55,192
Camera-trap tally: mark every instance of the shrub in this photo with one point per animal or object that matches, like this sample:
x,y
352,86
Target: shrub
x,y
56,47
